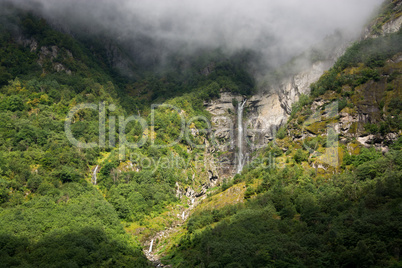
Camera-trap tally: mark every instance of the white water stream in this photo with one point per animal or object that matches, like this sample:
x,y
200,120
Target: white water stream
x,y
150,247
240,135
94,175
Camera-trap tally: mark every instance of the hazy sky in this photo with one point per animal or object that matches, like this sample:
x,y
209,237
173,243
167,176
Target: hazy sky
x,y
273,27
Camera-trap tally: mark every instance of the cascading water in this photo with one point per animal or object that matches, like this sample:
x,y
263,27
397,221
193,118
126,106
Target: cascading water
x,y
150,247
94,175
240,107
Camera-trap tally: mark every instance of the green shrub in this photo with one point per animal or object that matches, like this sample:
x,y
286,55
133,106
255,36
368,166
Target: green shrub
x,y
300,156
14,103
372,128
68,174
281,134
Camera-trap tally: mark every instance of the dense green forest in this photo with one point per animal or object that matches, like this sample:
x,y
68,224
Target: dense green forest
x,y
301,213
295,218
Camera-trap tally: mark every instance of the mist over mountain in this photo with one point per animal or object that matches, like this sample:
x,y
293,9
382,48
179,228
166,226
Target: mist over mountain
x,y
275,30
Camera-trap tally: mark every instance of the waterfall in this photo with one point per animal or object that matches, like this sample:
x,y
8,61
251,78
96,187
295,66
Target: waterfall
x,y
240,107
94,175
150,247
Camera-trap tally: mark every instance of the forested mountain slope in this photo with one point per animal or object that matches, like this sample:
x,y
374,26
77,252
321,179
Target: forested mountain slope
x,y
50,214
325,190
62,205
333,196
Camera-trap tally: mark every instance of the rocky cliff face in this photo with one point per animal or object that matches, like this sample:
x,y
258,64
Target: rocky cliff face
x,y
265,112
223,111
47,56
292,87
389,22
270,108
265,116
223,134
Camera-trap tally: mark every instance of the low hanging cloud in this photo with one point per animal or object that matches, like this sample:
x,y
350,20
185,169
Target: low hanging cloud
x,y
277,29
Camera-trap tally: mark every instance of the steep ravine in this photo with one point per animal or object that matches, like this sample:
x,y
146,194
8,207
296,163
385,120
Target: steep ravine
x,y
160,237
